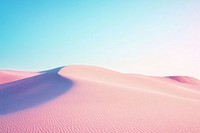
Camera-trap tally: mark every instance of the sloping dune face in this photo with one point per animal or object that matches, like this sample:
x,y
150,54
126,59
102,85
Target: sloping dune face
x,y
10,76
29,92
185,79
100,101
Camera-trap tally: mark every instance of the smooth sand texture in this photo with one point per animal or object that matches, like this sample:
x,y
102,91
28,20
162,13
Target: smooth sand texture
x,y
10,75
86,99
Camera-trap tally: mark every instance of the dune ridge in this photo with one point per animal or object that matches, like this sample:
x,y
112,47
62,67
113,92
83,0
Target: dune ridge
x,y
93,99
33,91
185,79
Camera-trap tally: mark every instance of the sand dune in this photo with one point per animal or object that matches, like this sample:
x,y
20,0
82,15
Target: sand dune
x,y
33,91
10,75
84,99
185,79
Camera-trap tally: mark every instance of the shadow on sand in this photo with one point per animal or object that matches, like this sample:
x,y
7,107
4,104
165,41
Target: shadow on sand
x,y
29,92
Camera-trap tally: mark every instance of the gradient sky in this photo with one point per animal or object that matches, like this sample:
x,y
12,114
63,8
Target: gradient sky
x,y
157,37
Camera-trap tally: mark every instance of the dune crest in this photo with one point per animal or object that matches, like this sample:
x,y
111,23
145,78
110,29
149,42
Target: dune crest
x,y
80,99
140,82
185,79
30,92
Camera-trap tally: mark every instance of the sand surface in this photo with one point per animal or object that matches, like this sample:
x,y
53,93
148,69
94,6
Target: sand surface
x,y
87,99
10,75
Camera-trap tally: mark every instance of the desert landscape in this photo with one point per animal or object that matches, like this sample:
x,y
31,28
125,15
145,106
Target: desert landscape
x,y
99,66
90,99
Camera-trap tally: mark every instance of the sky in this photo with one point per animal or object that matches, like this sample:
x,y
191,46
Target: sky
x,y
154,37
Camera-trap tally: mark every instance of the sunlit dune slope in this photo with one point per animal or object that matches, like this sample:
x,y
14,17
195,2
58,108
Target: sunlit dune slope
x,y
11,75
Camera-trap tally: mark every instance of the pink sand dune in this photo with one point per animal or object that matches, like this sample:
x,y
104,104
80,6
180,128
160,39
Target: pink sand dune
x,y
33,91
185,79
10,75
86,99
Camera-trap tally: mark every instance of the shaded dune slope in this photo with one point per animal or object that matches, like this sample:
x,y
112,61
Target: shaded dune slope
x,y
185,79
32,91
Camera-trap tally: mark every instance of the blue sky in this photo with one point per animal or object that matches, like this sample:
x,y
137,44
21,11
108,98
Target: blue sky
x,y
147,37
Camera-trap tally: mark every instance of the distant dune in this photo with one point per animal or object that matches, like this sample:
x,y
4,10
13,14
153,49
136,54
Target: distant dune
x,y
9,75
88,99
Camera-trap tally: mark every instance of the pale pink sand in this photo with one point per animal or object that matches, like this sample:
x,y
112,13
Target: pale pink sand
x,y
104,101
11,75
